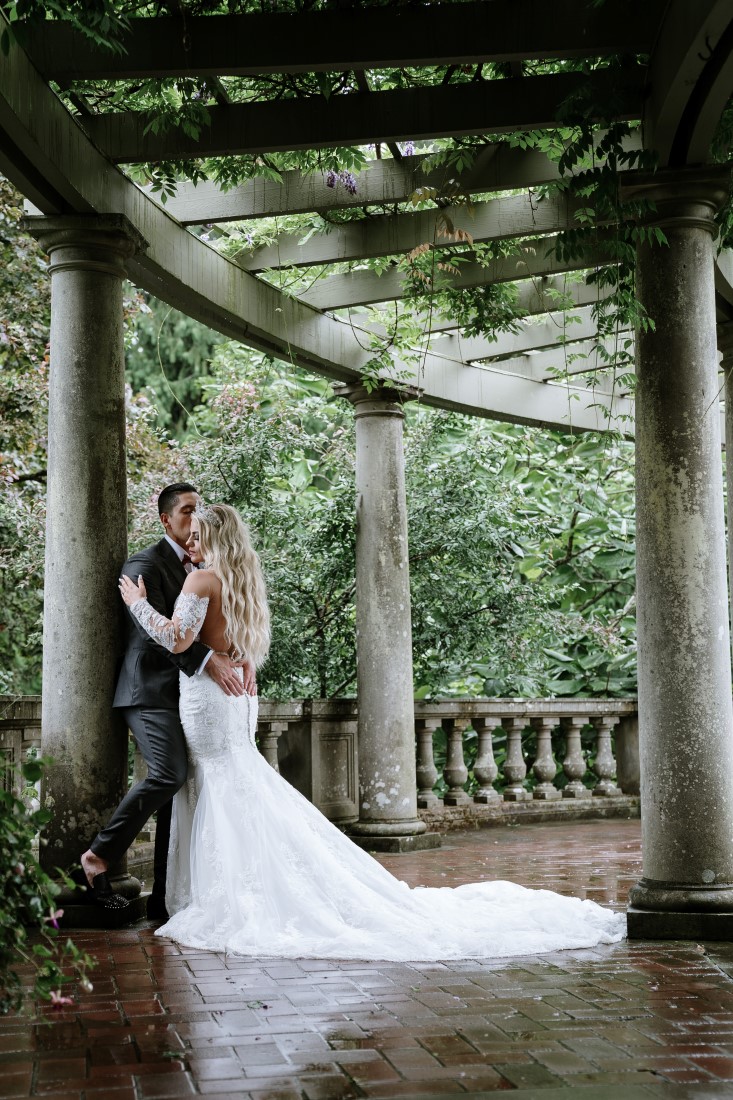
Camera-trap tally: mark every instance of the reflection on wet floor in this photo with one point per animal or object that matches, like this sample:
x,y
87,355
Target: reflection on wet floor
x,y
625,1022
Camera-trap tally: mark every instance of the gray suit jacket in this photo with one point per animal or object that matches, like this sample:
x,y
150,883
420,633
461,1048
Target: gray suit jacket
x,y
149,673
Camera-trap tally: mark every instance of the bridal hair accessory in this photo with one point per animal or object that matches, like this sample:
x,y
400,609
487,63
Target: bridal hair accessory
x,y
206,512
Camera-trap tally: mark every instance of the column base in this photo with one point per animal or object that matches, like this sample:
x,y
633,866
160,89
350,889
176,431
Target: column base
x,y
387,828
417,842
647,924
681,897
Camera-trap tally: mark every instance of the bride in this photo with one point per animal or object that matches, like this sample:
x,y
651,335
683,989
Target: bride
x,y
254,868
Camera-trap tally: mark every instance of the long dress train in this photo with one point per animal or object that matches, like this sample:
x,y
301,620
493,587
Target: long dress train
x,y
255,869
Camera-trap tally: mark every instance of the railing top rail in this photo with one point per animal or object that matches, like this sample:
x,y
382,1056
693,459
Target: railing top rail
x,y
26,709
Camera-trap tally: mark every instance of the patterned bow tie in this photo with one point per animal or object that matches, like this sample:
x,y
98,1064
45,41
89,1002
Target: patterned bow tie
x,y
185,560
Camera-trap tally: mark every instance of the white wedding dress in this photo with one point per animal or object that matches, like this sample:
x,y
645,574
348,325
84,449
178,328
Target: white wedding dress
x,y
255,869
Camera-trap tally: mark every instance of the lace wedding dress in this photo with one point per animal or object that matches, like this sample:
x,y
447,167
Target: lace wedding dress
x,y
255,869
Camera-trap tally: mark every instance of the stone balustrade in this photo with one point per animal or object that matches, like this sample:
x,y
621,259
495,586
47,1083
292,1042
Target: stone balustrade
x,y
313,744
509,787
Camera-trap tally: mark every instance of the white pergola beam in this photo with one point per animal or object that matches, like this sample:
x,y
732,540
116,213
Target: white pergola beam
x,y
556,330
190,275
691,75
552,364
364,287
499,167
520,400
483,107
393,234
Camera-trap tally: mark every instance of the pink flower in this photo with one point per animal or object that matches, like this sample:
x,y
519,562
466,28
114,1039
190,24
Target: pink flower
x,y
58,1002
54,917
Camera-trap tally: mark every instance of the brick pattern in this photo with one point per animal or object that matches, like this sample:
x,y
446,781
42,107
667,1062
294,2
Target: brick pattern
x,y
628,1021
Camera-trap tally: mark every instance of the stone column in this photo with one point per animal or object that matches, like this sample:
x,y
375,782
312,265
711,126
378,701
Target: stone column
x,y
685,712
725,346
388,818
86,531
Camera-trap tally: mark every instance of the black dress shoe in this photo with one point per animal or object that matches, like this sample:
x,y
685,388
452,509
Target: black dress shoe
x,y
99,891
156,909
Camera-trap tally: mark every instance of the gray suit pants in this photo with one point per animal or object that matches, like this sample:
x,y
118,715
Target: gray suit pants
x,y
159,737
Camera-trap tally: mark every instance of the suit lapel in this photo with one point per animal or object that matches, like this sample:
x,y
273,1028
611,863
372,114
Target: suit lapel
x,y
172,562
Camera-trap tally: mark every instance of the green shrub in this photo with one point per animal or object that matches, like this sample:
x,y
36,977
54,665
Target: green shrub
x,y
34,957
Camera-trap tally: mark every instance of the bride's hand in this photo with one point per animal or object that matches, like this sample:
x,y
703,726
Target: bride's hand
x,y
132,592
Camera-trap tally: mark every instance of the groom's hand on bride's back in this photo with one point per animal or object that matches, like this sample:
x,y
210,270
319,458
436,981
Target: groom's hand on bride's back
x,y
224,671
250,676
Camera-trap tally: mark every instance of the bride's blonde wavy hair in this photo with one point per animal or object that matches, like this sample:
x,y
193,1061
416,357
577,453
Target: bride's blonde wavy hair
x,y
227,549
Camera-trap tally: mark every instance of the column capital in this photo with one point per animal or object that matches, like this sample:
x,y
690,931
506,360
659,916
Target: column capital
x,y
382,401
683,197
94,242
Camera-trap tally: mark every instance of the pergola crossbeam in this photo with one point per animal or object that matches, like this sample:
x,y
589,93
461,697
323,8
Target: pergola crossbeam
x,y
391,234
365,287
339,41
565,329
557,363
483,107
383,182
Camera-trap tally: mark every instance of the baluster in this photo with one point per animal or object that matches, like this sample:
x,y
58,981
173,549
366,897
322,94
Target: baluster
x,y
544,767
574,764
456,772
515,767
426,771
268,735
485,768
605,765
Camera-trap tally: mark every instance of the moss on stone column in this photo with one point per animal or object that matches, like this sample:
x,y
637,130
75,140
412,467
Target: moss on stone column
x,y
86,531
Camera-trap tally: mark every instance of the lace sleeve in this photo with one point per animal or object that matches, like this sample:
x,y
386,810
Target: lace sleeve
x,y
189,614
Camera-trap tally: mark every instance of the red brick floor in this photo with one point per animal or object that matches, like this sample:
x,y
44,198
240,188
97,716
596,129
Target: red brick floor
x,y
626,1022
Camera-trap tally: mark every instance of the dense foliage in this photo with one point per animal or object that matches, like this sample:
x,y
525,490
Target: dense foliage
x,y
521,542
45,960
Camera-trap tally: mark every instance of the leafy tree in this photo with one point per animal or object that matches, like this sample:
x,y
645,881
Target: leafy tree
x,y
167,357
24,325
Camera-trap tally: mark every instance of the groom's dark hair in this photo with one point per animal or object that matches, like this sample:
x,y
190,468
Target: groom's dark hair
x,y
168,498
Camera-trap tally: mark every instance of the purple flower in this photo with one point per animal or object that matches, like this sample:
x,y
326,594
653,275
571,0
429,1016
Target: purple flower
x,y
349,181
408,149
249,239
331,178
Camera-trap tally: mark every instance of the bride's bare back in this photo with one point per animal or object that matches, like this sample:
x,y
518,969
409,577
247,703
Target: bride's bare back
x,y
213,630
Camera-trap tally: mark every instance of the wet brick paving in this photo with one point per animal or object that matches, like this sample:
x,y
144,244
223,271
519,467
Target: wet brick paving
x,y
629,1021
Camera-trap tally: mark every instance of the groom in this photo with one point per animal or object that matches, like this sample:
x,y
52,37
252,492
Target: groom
x,y
147,695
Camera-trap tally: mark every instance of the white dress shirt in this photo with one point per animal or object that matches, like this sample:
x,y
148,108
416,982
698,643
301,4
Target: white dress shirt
x,y
189,567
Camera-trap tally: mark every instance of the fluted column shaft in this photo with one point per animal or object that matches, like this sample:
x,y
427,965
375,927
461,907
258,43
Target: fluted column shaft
x,y
86,527
685,714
